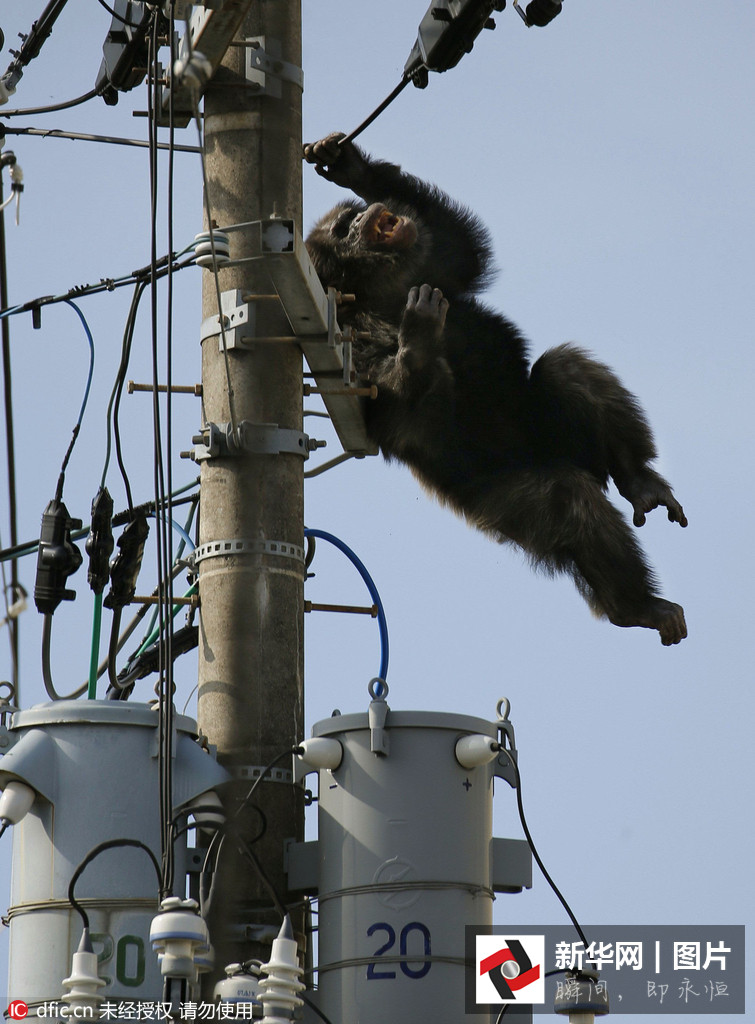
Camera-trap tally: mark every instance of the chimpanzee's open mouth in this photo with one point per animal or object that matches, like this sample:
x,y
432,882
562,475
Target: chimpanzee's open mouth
x,y
385,229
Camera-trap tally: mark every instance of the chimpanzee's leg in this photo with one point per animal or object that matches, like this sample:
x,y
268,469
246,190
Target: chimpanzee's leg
x,y
563,520
584,403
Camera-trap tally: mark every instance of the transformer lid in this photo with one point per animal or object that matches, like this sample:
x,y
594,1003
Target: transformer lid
x,y
111,712
407,720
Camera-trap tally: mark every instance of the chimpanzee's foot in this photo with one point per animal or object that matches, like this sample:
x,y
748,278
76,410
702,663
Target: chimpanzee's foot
x,y
665,616
646,490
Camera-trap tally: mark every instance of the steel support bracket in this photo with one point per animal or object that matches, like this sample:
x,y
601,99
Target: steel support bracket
x,y
217,440
312,314
210,33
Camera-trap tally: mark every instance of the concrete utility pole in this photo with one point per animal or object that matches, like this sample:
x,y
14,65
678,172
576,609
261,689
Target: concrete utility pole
x,y
251,620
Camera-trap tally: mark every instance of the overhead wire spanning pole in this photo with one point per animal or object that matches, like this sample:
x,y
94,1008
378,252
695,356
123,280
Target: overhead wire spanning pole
x,y
250,701
10,448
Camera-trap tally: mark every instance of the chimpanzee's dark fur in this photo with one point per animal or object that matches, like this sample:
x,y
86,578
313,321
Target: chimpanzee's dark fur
x,y
524,453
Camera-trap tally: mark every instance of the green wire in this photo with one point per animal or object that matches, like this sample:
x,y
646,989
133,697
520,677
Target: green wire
x,y
94,659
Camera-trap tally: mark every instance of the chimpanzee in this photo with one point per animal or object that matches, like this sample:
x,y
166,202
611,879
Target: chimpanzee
x,y
523,453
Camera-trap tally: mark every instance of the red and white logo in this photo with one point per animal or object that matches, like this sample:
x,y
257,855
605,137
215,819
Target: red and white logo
x,y
18,1009
509,969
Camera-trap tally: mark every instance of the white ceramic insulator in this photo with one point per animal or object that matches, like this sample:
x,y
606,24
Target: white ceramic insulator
x,y
180,938
475,750
15,801
203,248
277,991
239,986
206,816
81,989
321,752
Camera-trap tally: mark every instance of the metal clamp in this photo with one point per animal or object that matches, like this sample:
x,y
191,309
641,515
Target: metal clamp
x,y
265,70
507,760
252,772
238,322
218,440
237,546
377,715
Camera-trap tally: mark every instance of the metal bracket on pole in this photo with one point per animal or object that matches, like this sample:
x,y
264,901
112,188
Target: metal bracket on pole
x,y
312,314
217,440
238,322
265,70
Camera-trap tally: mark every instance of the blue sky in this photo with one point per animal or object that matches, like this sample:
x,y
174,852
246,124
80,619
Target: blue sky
x,y
611,156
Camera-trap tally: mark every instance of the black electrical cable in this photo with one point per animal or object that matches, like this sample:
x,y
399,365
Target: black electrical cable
x,y
52,107
178,564
46,665
10,448
211,809
148,507
535,854
252,857
109,844
130,628
192,825
212,854
184,640
112,652
315,1009
246,801
167,483
77,427
113,409
504,1008
163,534
406,79
118,17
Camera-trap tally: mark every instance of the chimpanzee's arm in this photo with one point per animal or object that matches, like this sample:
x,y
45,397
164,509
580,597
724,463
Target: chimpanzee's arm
x,y
460,252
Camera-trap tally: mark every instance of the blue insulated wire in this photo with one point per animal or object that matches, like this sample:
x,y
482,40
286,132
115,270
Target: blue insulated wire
x,y
382,625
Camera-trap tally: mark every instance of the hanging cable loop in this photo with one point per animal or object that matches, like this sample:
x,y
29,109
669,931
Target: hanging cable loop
x,y
382,623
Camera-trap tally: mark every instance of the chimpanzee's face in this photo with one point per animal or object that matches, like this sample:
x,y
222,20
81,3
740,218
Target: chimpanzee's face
x,y
364,249
375,228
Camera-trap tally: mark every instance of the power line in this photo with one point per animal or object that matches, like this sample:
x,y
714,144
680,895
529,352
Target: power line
x,y
51,108
113,140
104,285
